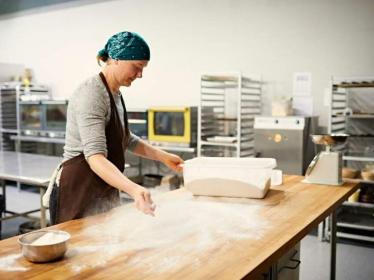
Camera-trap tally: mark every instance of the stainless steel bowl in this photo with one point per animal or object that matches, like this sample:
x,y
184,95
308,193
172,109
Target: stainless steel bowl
x,y
47,251
329,139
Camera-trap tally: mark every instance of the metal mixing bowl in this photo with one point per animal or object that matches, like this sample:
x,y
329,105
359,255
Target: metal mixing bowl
x,y
46,252
329,139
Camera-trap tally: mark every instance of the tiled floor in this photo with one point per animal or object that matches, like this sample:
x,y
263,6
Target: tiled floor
x,y
354,260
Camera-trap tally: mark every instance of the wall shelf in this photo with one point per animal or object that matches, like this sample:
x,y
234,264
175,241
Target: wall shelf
x,y
355,236
355,85
357,181
359,204
358,157
350,219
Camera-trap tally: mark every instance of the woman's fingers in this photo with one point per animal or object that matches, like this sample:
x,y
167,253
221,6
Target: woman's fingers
x,y
147,197
143,201
144,207
175,163
149,201
149,205
179,167
179,164
146,204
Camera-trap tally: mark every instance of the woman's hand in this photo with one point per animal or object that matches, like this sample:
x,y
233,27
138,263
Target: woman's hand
x,y
172,161
146,150
143,201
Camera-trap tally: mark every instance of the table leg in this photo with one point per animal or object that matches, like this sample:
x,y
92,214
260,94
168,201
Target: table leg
x,y
2,182
43,219
333,245
3,186
18,149
321,231
327,229
273,272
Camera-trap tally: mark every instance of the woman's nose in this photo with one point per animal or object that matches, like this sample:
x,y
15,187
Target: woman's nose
x,y
140,74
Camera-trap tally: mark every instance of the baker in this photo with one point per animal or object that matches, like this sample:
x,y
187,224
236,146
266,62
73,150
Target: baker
x,y
97,135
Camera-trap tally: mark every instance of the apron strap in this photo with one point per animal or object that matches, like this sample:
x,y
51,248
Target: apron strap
x,y
125,118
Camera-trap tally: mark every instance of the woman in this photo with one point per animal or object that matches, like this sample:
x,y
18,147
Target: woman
x,y
97,136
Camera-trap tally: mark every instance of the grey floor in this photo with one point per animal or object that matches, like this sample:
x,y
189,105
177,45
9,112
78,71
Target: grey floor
x,y
355,260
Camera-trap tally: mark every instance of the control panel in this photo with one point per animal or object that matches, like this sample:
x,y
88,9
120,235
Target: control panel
x,y
291,123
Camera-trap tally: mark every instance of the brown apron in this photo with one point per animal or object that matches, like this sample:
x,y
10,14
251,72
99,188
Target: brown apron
x,y
81,192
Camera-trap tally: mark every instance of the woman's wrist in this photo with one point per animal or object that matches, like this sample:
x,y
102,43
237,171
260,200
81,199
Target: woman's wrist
x,y
133,190
161,155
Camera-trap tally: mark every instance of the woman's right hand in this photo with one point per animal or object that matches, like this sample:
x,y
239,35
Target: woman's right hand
x,y
143,201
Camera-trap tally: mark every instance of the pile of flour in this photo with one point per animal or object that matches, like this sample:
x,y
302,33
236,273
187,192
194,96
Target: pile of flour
x,y
49,238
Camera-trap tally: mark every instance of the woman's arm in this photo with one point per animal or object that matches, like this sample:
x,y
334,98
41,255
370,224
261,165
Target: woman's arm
x,y
146,150
111,175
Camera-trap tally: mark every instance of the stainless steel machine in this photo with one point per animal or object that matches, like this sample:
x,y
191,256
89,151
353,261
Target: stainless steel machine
x,y
287,139
326,167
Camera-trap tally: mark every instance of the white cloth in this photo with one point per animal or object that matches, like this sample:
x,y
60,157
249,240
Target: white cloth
x,y
55,178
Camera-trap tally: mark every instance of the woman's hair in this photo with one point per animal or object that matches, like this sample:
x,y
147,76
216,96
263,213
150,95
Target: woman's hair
x,y
102,56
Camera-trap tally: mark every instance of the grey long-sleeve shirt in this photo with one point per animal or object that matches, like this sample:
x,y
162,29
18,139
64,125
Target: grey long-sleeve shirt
x,y
87,115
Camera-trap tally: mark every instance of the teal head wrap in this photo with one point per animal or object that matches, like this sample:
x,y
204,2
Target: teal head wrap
x,y
126,46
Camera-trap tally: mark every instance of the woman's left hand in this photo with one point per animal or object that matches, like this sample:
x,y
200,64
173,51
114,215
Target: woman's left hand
x,y
172,161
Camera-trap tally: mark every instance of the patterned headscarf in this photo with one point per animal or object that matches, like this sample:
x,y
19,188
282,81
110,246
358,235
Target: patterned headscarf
x,y
126,46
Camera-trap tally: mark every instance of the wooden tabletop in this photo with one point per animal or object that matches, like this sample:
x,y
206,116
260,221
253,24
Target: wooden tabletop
x,y
190,237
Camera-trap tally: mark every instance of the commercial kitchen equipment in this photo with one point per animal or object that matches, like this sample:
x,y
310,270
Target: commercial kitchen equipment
x,y
326,167
287,140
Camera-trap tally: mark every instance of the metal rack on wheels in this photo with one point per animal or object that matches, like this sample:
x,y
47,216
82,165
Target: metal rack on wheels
x,y
10,116
11,94
352,112
228,105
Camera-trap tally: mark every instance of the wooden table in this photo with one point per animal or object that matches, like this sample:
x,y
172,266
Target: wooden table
x,y
122,244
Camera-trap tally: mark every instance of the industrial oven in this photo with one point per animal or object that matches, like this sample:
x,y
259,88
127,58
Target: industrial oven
x,y
287,139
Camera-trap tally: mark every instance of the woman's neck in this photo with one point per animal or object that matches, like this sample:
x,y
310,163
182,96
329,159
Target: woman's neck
x,y
112,82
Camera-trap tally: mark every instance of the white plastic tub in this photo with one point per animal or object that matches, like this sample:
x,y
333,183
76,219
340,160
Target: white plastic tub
x,y
229,177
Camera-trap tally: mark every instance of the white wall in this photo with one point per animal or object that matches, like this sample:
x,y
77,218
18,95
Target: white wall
x,y
274,38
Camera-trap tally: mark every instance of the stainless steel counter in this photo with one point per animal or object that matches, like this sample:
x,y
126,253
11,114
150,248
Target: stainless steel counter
x,y
28,169
31,169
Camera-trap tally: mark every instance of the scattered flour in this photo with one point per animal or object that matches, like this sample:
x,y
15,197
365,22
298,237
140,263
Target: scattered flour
x,y
206,224
8,263
49,238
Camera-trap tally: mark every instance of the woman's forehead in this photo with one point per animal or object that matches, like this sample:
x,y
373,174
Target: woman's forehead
x,y
140,62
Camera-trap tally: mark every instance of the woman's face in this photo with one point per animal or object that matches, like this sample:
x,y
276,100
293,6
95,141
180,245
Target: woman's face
x,y
126,71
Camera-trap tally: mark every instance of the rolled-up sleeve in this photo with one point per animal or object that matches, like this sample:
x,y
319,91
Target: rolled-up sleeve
x,y
133,142
91,112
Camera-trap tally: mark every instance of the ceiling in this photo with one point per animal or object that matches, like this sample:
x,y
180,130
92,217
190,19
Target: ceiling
x,y
12,8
